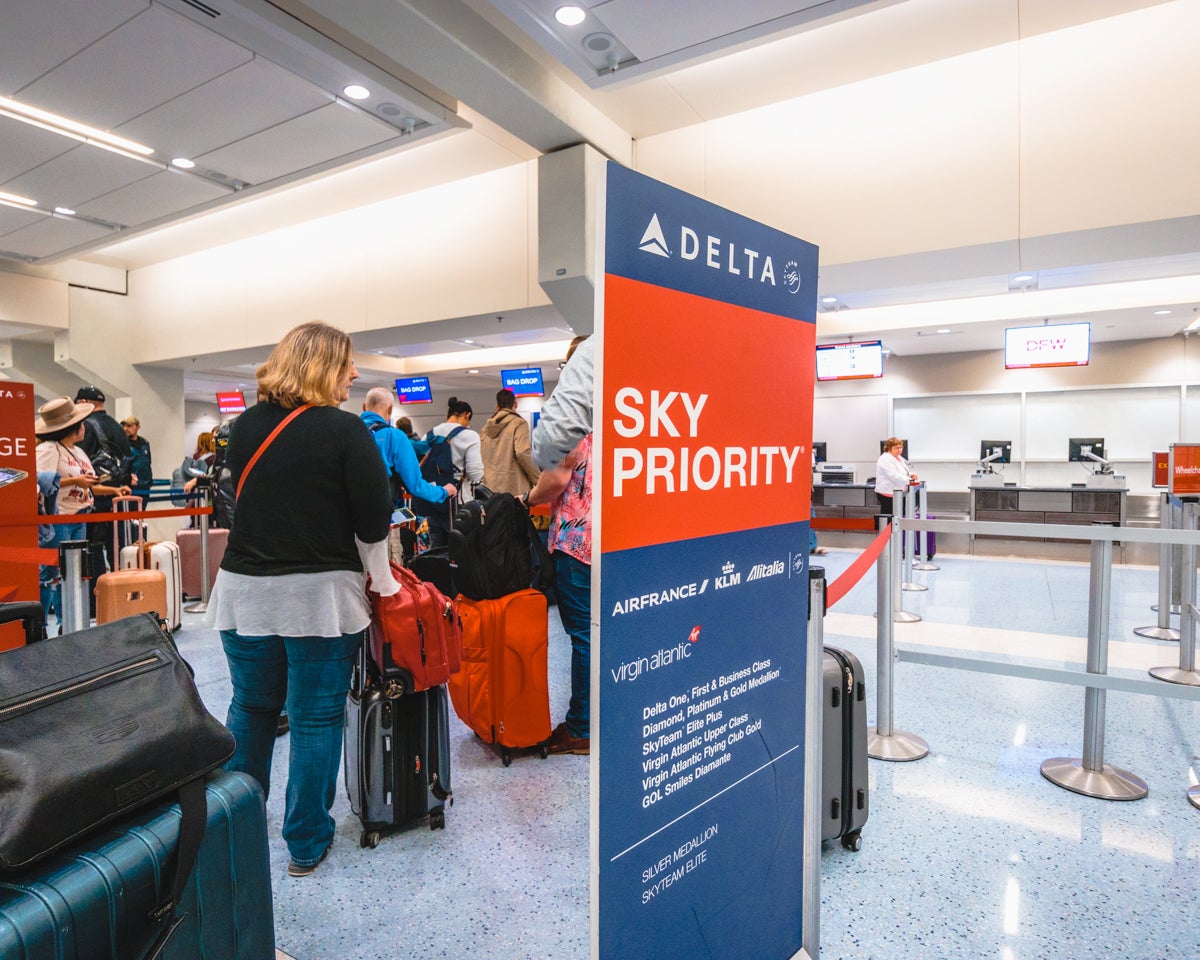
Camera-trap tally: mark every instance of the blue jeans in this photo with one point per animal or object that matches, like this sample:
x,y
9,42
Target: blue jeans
x,y
812,539
573,590
311,676
50,578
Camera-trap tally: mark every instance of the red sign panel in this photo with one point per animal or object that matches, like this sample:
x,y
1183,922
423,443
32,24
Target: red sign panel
x,y
18,500
695,448
1185,469
1161,469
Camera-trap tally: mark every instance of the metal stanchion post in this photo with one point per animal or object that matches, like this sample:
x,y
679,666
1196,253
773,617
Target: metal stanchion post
x,y
810,920
908,541
72,563
1176,510
1090,775
1163,630
201,605
1185,672
884,742
922,562
895,549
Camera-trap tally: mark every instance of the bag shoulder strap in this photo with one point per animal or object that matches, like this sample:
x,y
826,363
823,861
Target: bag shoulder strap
x,y
193,805
266,443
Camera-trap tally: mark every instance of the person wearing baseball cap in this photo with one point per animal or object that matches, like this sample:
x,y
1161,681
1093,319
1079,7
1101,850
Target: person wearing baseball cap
x,y
103,434
139,448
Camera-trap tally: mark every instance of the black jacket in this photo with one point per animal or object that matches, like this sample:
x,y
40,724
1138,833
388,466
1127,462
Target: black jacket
x,y
319,484
99,422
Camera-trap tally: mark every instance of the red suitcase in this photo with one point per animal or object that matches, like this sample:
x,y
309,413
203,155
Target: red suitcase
x,y
502,691
415,638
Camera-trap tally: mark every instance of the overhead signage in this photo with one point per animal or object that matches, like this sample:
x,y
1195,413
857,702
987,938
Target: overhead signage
x,y
413,390
1057,345
231,401
526,382
701,559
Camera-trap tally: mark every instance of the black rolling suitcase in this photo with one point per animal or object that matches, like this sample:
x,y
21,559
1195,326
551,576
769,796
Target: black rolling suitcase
x,y
844,751
397,755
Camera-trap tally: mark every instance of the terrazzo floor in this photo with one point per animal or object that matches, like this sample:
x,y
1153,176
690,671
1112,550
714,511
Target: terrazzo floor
x,y
968,854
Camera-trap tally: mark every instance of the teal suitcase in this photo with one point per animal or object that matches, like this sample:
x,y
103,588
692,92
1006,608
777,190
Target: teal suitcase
x,y
90,902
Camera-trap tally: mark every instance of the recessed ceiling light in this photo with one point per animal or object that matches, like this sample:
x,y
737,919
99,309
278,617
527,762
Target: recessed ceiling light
x,y
943,329
356,91
183,163
1023,278
1162,313
16,198
569,15
472,370
829,299
469,341
65,211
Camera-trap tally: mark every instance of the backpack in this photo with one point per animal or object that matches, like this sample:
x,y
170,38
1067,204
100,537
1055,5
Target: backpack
x,y
398,490
224,492
437,466
495,549
109,460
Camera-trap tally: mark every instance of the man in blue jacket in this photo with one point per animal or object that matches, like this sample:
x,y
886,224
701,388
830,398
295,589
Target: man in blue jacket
x,y
397,450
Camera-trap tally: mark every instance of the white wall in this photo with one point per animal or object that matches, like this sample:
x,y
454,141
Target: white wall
x,y
1139,395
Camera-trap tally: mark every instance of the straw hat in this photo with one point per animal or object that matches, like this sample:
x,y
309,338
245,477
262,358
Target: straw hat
x,y
60,414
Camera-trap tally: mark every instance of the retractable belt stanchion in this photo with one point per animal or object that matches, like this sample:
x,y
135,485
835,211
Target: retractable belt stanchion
x,y
922,561
1176,511
1163,630
72,563
896,557
1090,775
884,742
1185,672
814,760
201,605
908,540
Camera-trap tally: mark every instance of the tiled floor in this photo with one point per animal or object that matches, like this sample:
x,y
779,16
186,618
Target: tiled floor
x,y
967,854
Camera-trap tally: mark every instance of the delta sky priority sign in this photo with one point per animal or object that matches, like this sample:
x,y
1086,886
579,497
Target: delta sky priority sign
x,y
705,367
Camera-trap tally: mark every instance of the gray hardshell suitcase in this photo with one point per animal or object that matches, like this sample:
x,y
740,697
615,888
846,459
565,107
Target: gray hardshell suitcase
x,y
397,754
844,752
90,902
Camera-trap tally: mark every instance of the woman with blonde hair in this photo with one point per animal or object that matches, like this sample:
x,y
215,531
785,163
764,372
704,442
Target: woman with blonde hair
x,y
312,514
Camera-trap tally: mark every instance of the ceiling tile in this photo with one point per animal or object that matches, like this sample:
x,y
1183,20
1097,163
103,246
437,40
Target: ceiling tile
x,y
164,193
13,218
147,61
38,36
79,175
51,235
325,134
26,147
228,108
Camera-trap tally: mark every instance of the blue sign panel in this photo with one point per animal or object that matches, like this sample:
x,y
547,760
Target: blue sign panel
x,y
413,390
702,608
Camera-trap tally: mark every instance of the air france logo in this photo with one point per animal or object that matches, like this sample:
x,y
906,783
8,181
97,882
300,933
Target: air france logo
x,y
718,253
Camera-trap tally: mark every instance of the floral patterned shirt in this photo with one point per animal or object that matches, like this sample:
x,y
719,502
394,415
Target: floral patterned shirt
x,y
571,513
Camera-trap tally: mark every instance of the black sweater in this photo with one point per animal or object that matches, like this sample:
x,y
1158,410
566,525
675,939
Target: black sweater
x,y
319,484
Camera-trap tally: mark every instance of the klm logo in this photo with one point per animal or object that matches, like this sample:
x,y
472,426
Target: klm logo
x,y
730,577
717,253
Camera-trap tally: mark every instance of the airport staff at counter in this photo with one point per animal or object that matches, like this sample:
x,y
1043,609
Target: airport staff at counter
x,y
891,473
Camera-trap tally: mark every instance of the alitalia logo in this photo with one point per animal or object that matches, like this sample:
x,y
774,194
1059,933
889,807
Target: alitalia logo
x,y
717,253
761,570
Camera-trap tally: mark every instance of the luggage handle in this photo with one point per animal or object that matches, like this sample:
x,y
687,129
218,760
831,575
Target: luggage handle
x,y
32,617
116,502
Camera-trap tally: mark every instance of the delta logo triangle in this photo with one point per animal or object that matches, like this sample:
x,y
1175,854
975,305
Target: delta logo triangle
x,y
653,240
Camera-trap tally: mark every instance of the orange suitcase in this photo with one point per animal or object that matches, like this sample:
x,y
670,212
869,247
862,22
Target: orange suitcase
x,y
123,593
502,691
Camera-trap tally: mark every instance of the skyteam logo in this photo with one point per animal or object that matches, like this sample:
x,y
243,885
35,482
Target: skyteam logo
x,y
653,241
718,253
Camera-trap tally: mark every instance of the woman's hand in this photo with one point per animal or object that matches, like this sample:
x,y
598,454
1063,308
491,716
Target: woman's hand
x,y
451,490
85,480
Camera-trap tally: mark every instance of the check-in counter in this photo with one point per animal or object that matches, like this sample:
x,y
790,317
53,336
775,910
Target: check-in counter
x,y
1076,504
844,501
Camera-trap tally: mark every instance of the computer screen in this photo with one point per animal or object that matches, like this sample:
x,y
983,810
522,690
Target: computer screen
x,y
231,401
526,382
1078,447
413,390
903,453
995,451
849,361
819,451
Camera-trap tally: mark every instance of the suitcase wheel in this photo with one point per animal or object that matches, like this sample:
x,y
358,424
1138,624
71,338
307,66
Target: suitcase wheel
x,y
853,840
369,838
506,756
545,750
437,821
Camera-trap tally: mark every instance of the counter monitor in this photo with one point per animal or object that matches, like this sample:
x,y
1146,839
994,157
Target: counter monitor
x,y
995,451
819,448
413,390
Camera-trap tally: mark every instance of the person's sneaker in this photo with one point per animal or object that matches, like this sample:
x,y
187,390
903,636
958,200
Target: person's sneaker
x,y
561,741
818,551
283,726
297,870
